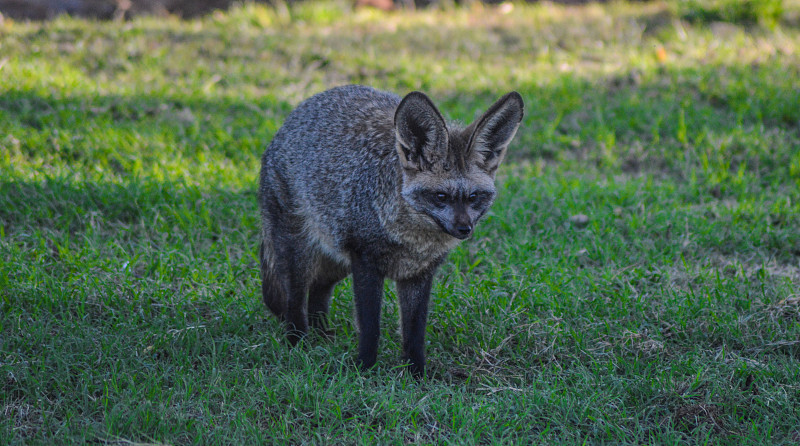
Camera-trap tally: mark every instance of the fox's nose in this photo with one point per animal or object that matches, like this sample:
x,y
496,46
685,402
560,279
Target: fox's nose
x,y
464,230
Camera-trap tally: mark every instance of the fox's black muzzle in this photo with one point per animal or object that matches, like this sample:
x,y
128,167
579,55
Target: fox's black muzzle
x,y
459,231
463,231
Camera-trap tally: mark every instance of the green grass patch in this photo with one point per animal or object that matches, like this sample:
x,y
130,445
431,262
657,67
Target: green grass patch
x,y
129,290
746,12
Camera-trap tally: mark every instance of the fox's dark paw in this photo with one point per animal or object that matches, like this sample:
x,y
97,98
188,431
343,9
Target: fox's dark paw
x,y
320,326
294,337
415,368
366,363
417,372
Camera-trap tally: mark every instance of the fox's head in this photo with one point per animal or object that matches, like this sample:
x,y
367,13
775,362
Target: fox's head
x,y
448,173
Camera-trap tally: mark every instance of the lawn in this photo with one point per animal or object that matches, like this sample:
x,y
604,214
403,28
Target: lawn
x,y
669,313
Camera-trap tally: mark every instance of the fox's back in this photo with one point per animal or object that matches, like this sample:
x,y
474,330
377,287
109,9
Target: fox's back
x,y
341,127
333,161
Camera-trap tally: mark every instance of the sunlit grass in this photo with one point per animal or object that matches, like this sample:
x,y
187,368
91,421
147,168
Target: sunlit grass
x,y
128,227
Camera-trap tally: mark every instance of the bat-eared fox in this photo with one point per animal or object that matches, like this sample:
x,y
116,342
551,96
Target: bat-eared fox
x,y
359,181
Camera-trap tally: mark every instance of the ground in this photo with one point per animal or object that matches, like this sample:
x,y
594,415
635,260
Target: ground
x,y
637,280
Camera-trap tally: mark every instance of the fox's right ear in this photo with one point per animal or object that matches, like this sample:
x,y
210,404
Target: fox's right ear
x,y
493,132
421,132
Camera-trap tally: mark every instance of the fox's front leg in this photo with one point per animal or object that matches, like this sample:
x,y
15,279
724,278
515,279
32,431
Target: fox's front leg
x,y
368,291
414,295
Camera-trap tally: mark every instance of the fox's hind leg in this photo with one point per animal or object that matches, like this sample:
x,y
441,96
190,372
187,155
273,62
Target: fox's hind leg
x,y
319,301
319,295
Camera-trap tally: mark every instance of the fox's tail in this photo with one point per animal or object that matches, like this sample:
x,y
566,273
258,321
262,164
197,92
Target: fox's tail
x,y
271,288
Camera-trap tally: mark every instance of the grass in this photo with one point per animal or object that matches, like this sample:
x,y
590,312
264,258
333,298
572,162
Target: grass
x,y
129,287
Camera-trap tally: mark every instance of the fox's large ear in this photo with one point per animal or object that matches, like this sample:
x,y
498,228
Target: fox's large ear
x,y
421,132
493,131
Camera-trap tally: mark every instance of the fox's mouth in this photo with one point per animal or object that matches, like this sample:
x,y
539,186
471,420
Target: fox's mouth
x,y
460,232
460,236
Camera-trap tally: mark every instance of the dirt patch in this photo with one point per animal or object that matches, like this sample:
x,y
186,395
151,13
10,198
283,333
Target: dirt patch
x,y
692,416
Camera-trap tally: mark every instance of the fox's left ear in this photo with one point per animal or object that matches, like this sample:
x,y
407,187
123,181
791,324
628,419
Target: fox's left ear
x,y
493,131
422,138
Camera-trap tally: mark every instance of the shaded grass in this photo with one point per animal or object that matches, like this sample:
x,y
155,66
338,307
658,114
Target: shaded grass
x,y
128,220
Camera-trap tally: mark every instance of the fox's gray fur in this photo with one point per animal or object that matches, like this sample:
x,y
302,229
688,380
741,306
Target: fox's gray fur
x,y
361,181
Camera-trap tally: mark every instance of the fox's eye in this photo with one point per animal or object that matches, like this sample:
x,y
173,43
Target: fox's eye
x,y
472,197
441,197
